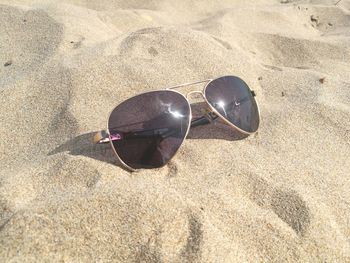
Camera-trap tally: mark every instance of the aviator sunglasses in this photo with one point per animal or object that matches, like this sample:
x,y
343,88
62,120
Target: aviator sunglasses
x,y
147,130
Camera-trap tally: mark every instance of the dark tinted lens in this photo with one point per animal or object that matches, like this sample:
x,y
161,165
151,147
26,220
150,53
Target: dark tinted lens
x,y
232,98
148,129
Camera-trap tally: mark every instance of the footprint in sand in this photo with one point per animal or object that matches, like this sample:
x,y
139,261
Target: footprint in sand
x,y
192,250
288,205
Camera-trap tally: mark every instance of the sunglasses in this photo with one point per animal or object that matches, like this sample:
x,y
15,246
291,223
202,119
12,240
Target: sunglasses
x,y
147,130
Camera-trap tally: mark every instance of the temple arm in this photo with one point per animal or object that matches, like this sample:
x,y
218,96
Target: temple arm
x,y
103,136
205,119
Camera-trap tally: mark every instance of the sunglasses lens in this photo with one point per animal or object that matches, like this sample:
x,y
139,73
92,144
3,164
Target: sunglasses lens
x,y
148,129
232,98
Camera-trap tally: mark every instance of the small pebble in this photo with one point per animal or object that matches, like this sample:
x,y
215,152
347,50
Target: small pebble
x,y
321,80
283,94
260,78
314,19
8,63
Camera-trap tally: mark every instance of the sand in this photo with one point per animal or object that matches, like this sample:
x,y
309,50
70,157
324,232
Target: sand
x,y
281,195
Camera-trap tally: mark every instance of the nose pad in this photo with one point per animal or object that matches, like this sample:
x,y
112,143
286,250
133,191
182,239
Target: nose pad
x,y
205,108
201,111
195,92
198,104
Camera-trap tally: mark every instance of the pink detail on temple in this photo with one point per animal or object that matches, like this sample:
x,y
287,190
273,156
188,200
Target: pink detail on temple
x,y
116,137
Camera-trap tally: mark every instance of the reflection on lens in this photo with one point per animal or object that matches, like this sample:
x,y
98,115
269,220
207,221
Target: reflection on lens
x,y
232,98
221,105
150,128
176,114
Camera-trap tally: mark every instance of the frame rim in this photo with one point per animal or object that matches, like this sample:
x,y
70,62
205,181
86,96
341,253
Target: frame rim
x,y
188,129
220,115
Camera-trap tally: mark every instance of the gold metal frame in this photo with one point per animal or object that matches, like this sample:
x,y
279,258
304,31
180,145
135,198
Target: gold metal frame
x,y
100,139
222,117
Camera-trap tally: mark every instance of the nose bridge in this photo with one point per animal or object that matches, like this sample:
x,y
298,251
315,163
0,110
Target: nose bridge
x,y
194,92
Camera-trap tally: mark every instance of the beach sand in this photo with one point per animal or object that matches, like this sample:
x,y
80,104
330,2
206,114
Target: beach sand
x,y
280,195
